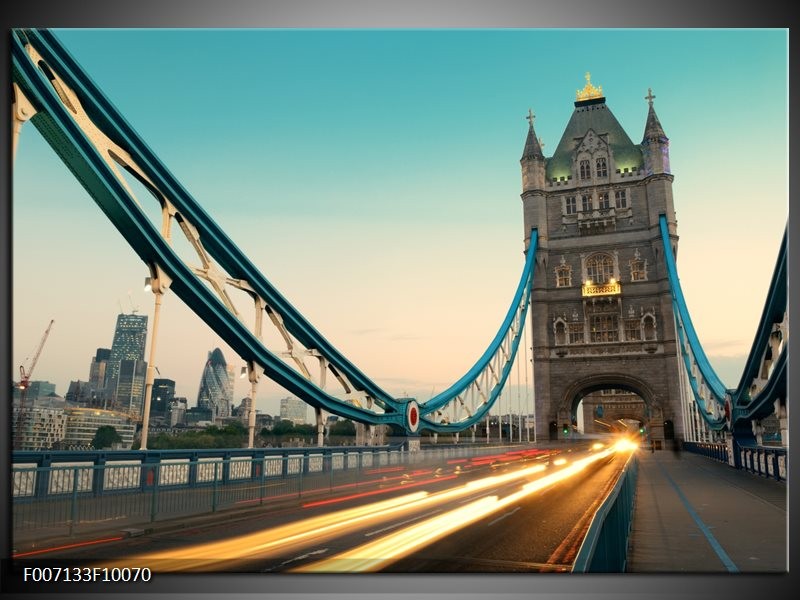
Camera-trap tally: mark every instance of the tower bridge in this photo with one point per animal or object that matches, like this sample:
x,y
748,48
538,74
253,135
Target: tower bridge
x,y
599,290
600,238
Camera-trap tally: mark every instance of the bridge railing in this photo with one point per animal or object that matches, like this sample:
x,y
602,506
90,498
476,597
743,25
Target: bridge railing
x,y
605,547
767,461
71,492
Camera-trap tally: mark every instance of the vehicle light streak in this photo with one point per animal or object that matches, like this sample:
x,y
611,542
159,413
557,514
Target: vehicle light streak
x,y
300,534
375,555
68,546
374,492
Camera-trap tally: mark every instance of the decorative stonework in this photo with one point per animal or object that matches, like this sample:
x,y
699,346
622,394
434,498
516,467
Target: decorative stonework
x,y
589,92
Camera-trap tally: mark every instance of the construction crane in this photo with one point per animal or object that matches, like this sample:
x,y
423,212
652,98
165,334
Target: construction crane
x,y
24,384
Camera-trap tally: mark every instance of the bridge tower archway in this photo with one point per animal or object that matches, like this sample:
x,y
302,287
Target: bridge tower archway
x,y
605,402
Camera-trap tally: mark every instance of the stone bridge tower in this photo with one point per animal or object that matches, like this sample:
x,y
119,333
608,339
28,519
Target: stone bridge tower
x,y
601,307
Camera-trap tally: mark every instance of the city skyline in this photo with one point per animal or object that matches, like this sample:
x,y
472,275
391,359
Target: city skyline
x,y
396,153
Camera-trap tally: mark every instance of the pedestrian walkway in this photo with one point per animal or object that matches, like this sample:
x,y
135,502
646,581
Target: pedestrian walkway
x,y
694,514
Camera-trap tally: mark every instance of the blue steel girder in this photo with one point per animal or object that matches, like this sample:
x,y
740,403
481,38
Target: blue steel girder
x,y
95,141
707,389
763,379
765,367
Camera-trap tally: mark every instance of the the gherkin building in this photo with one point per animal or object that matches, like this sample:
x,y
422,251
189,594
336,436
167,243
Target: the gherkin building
x,y
216,386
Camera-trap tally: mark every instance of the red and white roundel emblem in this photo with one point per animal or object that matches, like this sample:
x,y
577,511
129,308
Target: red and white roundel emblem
x,y
412,416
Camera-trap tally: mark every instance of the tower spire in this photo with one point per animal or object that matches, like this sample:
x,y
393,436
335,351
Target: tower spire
x,y
533,148
652,129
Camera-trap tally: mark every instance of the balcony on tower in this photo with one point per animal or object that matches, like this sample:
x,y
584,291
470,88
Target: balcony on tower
x,y
597,220
611,288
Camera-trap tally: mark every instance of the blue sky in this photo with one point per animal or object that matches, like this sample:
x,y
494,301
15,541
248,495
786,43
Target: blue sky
x,y
373,176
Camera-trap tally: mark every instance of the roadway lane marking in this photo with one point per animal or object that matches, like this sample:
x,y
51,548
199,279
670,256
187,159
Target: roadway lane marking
x,y
715,545
501,517
433,512
302,556
473,498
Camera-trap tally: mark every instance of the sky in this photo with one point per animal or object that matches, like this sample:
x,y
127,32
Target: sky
x,y
373,177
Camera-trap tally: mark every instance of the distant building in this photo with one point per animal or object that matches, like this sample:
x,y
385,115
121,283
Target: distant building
x,y
39,389
197,415
97,374
129,396
79,392
294,410
243,410
216,386
82,425
41,427
124,383
161,398
177,411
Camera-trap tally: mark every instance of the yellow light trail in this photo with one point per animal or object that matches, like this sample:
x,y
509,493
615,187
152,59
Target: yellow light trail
x,y
298,534
375,555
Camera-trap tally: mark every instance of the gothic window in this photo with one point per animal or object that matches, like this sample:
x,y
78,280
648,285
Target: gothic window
x,y
570,205
633,330
576,333
599,268
638,267
605,328
649,323
560,331
563,275
586,203
601,168
638,270
584,170
621,198
602,199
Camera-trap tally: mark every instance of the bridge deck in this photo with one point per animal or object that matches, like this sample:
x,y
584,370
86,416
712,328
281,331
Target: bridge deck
x,y
693,514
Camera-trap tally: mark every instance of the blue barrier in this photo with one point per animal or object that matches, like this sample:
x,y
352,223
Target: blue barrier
x,y
767,461
66,492
605,547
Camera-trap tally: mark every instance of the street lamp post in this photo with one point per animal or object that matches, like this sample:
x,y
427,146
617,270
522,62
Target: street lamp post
x,y
158,284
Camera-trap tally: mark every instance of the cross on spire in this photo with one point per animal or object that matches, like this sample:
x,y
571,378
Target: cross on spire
x,y
650,97
530,117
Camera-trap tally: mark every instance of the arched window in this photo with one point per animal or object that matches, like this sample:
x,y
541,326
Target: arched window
x,y
586,203
600,167
585,170
599,268
638,267
649,326
560,331
563,274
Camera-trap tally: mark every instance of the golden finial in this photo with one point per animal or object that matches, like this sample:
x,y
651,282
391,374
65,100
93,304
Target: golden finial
x,y
589,91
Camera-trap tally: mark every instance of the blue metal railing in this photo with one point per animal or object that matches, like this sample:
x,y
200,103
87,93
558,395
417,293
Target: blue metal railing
x,y
767,461
605,547
65,493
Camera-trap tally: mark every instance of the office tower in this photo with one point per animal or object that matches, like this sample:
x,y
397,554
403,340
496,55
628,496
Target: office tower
x,y
130,336
161,399
216,386
294,410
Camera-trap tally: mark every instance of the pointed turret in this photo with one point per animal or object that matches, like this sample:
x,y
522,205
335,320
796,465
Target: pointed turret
x,y
533,160
655,143
533,149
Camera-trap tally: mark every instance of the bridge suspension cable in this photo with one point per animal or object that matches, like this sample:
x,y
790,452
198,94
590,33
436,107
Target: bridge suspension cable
x,y
764,377
99,147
